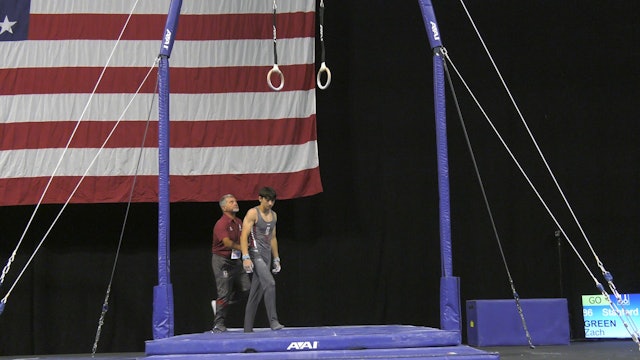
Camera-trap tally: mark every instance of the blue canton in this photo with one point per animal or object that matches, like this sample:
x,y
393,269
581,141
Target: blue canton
x,y
14,20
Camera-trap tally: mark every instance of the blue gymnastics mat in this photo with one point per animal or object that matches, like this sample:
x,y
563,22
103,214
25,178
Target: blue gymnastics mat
x,y
336,342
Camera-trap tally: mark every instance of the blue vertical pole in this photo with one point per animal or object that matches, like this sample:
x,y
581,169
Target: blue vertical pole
x,y
449,285
163,324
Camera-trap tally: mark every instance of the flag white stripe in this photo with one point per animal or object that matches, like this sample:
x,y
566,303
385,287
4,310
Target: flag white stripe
x,y
183,161
94,53
162,6
187,107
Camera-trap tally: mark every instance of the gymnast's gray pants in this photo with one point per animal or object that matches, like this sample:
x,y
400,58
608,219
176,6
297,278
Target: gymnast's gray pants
x,y
262,284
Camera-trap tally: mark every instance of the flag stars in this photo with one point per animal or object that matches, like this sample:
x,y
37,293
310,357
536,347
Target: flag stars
x,y
6,25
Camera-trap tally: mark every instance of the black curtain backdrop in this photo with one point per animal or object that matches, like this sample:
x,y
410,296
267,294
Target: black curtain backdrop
x,y
366,250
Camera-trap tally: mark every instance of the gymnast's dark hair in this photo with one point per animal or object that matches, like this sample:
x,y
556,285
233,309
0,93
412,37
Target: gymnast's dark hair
x,y
267,193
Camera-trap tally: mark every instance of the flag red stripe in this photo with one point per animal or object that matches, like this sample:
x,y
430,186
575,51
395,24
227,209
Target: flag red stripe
x,y
151,26
127,80
91,134
108,189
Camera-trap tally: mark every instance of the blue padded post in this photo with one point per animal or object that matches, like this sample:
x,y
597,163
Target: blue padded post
x,y
449,285
163,324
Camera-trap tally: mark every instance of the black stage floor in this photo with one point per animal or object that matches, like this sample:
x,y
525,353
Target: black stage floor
x,y
576,350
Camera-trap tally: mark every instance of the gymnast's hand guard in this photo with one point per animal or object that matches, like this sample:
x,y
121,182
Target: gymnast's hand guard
x,y
247,264
276,266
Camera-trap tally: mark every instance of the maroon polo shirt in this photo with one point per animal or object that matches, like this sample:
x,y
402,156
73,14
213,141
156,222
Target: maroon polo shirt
x,y
226,227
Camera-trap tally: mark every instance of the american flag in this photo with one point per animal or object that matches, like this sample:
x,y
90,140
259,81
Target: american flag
x,y
230,133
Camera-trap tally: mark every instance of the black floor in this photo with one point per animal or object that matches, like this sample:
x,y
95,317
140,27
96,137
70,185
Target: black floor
x,y
576,350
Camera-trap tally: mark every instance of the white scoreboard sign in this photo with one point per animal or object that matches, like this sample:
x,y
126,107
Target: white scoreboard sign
x,y
602,321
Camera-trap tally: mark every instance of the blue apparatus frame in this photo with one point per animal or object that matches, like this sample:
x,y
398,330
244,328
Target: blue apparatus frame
x,y
449,285
163,316
163,324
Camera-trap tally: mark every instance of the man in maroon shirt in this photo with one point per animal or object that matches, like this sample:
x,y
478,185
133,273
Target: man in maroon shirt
x,y
226,261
